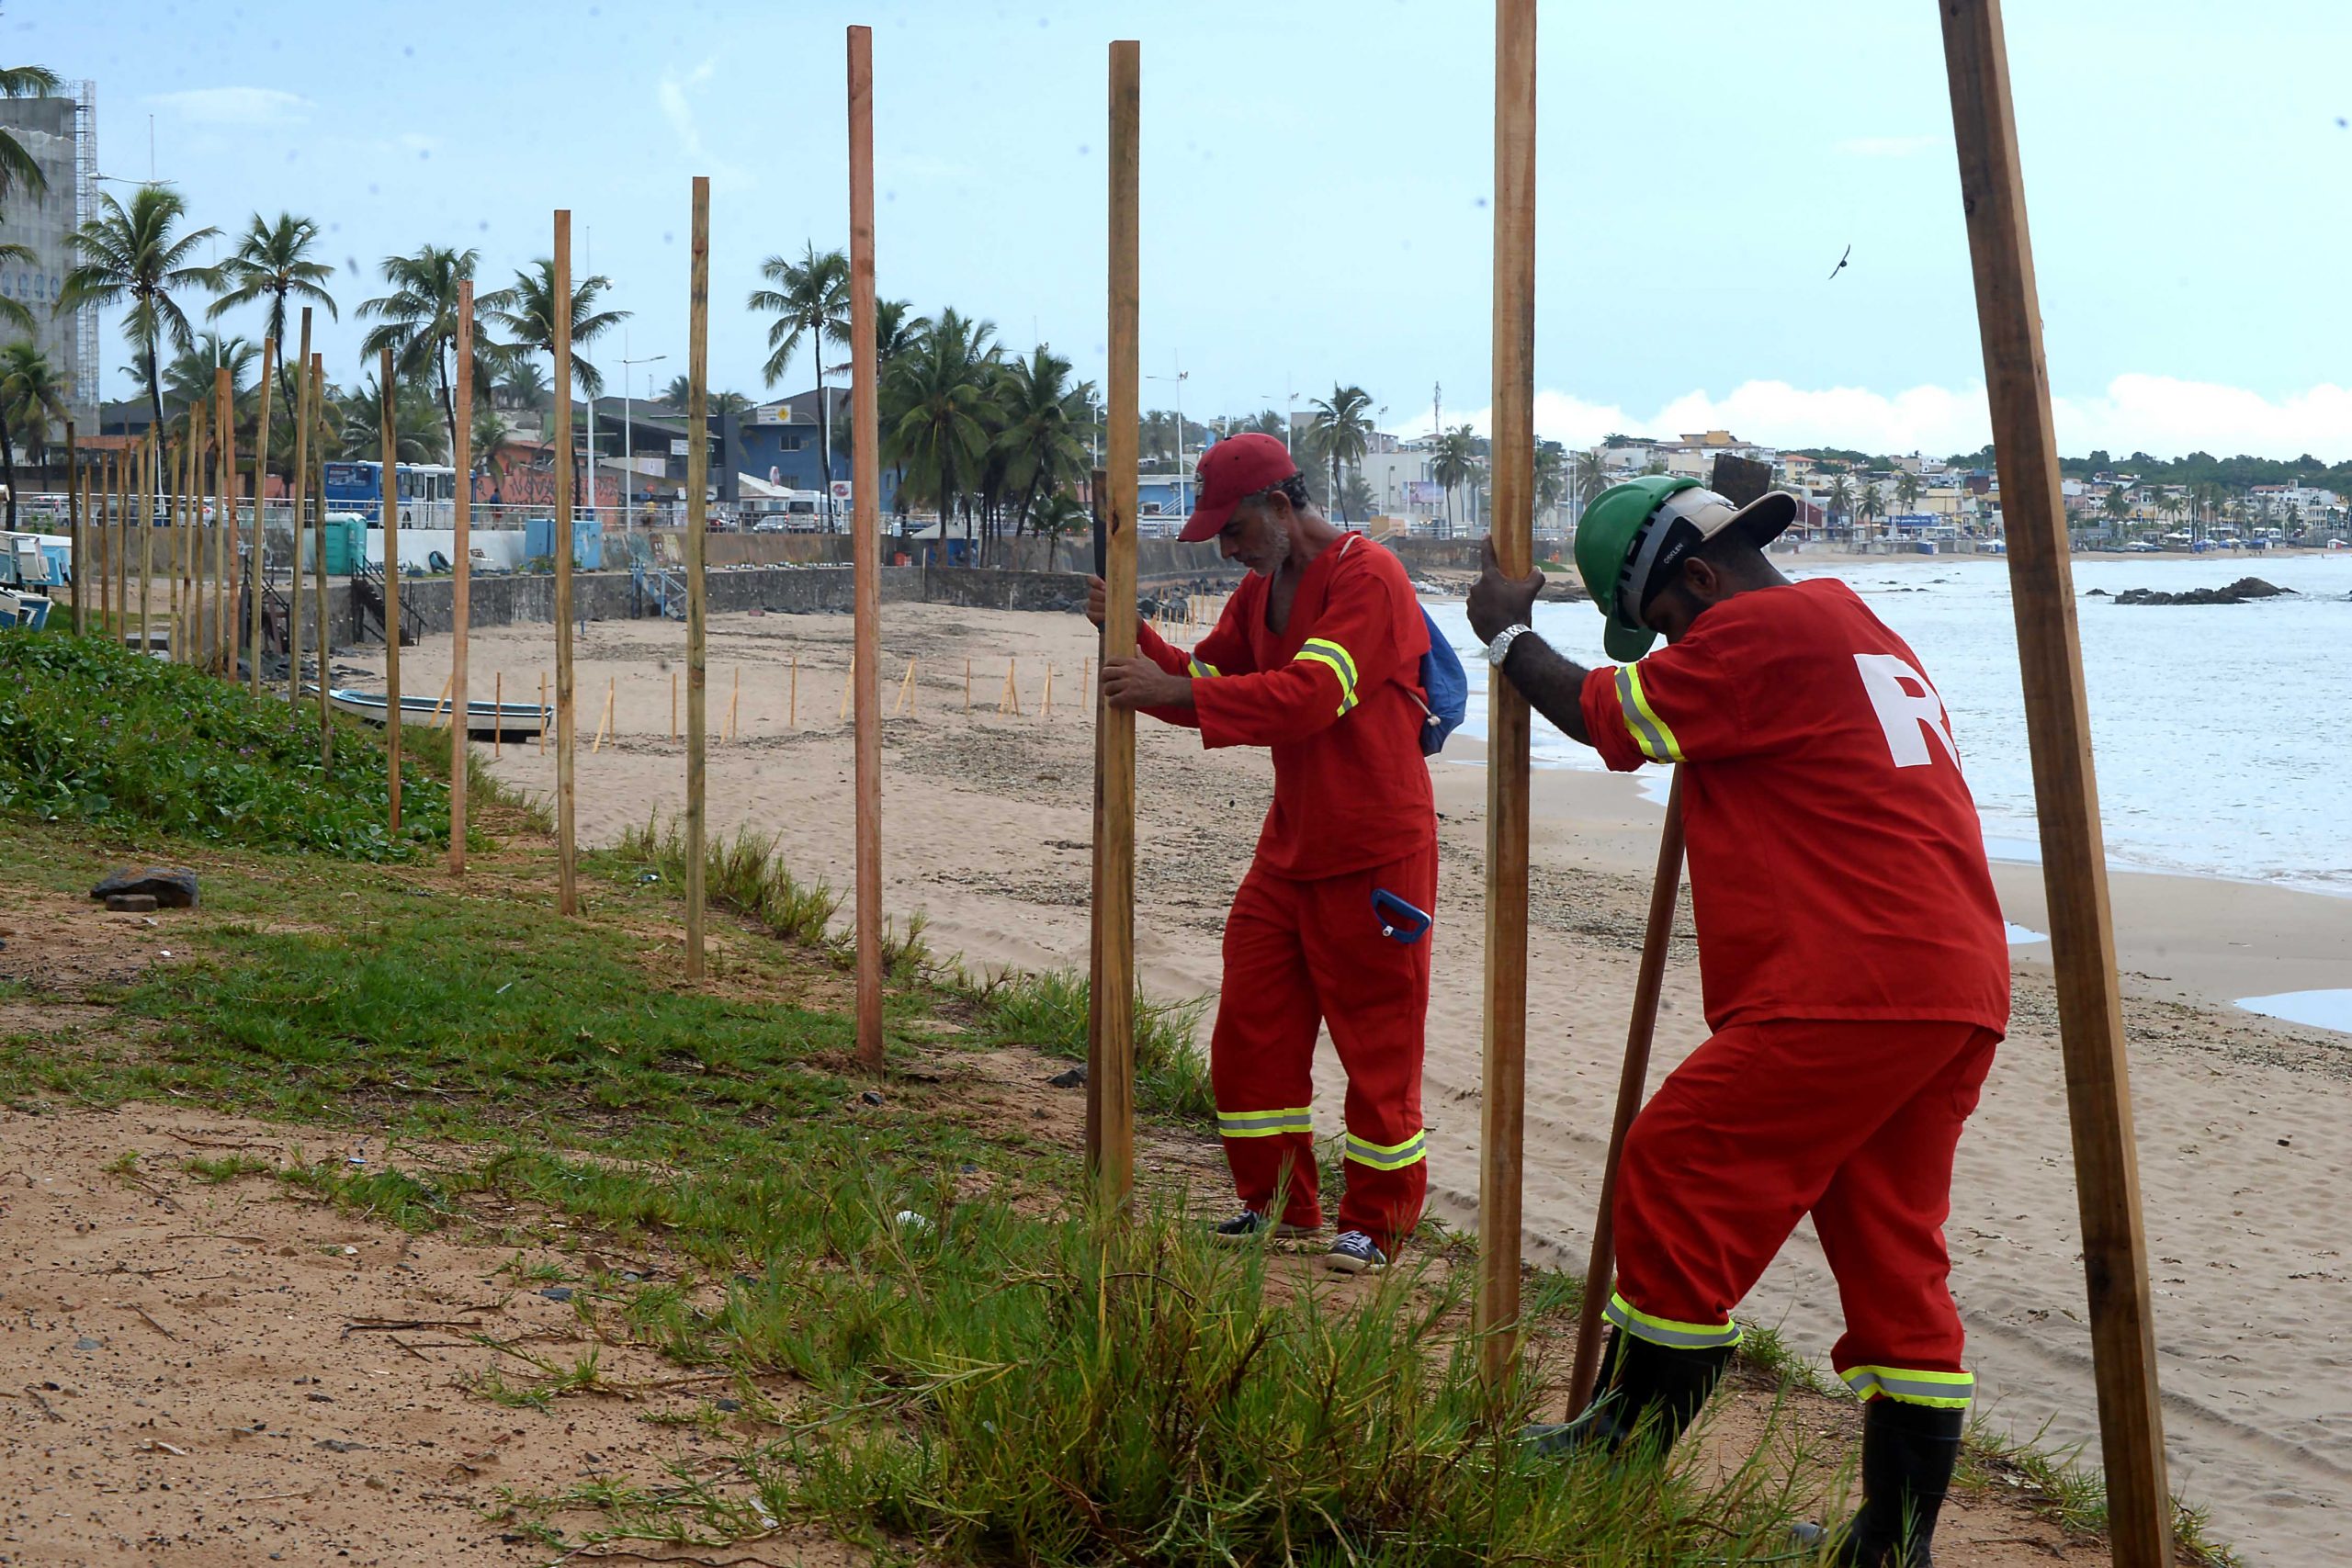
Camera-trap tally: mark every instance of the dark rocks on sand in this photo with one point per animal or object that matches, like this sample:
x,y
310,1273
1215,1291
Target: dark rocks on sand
x,y
131,903
2245,591
1073,1079
170,889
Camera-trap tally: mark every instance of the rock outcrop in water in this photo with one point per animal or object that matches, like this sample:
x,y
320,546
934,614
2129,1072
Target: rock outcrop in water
x,y
2245,591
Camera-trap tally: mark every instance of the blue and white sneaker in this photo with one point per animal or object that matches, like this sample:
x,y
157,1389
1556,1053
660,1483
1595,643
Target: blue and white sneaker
x,y
1353,1252
1249,1224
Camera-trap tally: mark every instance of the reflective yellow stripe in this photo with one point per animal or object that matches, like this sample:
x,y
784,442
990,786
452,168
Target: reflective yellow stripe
x,y
1667,1331
1649,731
1387,1156
1323,650
1946,1391
1264,1124
1202,670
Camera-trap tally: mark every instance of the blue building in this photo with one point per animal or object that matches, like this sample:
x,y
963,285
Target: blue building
x,y
783,444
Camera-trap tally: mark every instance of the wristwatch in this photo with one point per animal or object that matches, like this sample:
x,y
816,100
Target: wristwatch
x,y
1499,650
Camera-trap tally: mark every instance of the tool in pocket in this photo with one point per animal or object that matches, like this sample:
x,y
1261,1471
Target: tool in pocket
x,y
1399,921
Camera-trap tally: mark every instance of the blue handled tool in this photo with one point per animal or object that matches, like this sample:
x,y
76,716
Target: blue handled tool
x,y
1399,921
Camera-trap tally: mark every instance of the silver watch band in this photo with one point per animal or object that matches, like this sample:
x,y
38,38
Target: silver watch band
x,y
1499,650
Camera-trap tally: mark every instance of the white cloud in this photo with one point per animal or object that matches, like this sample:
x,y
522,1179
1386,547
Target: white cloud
x,y
236,105
677,107
1891,146
2160,415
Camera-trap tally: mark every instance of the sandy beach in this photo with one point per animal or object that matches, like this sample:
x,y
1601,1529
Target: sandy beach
x,y
2241,1121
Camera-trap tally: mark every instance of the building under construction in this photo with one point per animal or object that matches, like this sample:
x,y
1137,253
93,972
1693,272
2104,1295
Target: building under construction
x,y
60,133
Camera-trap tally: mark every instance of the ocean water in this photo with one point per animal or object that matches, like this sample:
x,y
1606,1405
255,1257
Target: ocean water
x,y
2218,732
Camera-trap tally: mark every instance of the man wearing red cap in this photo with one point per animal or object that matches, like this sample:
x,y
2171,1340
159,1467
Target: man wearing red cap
x,y
1317,657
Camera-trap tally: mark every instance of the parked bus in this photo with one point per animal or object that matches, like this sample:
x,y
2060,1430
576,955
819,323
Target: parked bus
x,y
425,492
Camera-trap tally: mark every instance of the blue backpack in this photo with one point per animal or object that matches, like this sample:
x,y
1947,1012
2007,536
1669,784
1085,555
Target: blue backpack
x,y
1447,690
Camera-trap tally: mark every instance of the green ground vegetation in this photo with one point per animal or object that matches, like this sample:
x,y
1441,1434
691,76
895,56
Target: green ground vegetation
x,y
932,1347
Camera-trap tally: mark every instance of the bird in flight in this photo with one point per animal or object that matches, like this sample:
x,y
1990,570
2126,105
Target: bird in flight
x,y
1841,262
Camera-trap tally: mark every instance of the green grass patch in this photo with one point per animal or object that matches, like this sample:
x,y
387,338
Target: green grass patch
x,y
1047,1012
91,732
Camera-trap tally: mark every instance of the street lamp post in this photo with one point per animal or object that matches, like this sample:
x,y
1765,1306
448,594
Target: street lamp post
x,y
628,431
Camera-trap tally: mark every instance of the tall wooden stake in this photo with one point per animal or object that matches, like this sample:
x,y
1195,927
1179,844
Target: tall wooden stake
x,y
697,523
1504,1073
175,530
142,498
223,646
1111,1053
2074,853
261,533
394,720
75,512
461,585
299,491
866,520
567,894
319,566
199,438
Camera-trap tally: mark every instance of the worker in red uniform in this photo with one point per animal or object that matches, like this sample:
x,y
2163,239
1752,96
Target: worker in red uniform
x,y
1852,958
1316,658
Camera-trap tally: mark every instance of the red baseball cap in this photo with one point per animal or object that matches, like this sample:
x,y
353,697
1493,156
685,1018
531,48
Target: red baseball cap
x,y
1232,469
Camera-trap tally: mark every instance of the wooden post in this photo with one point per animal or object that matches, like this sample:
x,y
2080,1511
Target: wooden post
x,y
441,703
498,723
169,496
319,565
2074,855
967,683
197,435
792,695
225,519
1046,704
734,701
1009,700
1632,1079
1503,1077
140,497
393,718
697,527
673,706
462,459
906,690
543,713
604,720
567,894
74,511
261,483
1111,1146
866,520
300,492
122,543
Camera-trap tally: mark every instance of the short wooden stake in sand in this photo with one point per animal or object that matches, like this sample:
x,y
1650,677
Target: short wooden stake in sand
x,y
2074,855
698,604
604,722
906,689
1045,703
792,696
441,703
674,706
968,685
1009,701
498,724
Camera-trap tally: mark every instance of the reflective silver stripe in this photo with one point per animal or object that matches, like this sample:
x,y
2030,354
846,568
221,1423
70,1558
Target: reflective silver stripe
x,y
1950,1391
1666,1331
1392,1157
1638,724
1263,1123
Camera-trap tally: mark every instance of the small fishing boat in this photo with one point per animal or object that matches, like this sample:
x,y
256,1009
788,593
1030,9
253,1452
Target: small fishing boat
x,y
508,721
30,611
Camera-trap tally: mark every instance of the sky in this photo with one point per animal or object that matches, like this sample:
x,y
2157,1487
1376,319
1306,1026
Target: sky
x,y
1315,181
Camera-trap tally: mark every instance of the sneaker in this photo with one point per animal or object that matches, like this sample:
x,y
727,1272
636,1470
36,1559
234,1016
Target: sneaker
x,y
1249,1224
1352,1252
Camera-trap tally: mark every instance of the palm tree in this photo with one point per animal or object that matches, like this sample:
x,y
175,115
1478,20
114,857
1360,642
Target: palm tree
x,y
737,404
529,312
416,422
1551,475
896,330
1341,430
1870,505
1841,499
810,302
522,385
131,256
274,261
31,394
1907,491
188,378
935,412
419,321
1456,462
2117,505
1039,440
1059,516
492,447
15,313
1589,475
17,166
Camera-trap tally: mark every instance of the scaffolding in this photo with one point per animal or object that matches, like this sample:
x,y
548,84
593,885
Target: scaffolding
x,y
85,209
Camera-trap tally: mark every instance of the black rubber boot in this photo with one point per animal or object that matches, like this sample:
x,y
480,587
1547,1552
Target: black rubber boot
x,y
1908,1451
1645,1383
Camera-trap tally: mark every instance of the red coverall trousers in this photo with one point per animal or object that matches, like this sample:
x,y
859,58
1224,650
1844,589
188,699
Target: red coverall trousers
x,y
1854,1122
1302,953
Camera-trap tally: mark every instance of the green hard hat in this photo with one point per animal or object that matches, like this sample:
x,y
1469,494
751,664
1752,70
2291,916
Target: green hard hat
x,y
1606,538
